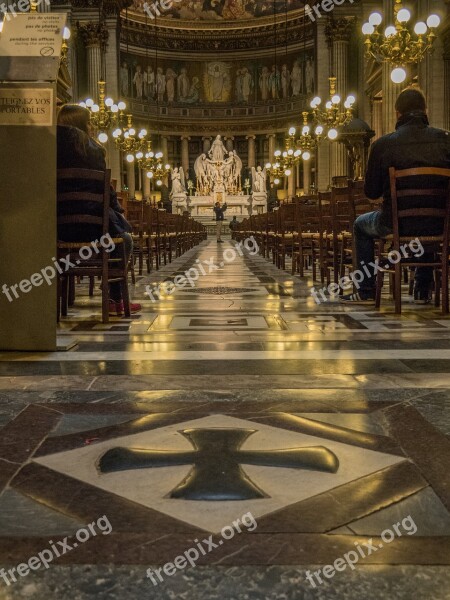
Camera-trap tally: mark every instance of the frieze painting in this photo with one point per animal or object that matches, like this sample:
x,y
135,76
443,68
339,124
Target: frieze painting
x,y
229,10
218,81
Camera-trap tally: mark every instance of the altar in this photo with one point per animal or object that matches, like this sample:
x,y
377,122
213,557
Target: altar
x,y
202,206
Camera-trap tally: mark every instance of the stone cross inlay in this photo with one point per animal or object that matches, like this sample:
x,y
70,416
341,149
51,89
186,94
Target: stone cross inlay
x,y
216,461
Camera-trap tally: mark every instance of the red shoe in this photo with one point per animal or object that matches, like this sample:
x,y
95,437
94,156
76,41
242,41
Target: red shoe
x,y
117,309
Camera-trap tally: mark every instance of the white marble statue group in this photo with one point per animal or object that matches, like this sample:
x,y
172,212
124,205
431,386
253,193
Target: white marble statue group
x,y
218,171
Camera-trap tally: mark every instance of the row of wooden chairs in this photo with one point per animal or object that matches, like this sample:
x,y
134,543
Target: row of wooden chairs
x,y
158,237
316,233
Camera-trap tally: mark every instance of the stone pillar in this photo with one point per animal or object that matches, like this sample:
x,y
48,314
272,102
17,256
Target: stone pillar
x,y
323,178
145,185
272,143
377,117
206,144
165,151
229,143
338,36
306,176
94,36
251,151
131,178
291,184
185,155
446,56
390,89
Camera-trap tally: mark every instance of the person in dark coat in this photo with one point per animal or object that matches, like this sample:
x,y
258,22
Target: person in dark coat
x,y
414,144
76,149
219,212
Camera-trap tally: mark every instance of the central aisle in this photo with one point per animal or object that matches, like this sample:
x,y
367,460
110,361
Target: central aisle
x,y
244,356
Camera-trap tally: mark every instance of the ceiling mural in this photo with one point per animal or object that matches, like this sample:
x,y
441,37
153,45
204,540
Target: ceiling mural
x,y
217,81
213,10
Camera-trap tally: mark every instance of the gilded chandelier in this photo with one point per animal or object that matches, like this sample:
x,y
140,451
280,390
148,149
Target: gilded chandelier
x,y
400,44
106,114
151,162
334,115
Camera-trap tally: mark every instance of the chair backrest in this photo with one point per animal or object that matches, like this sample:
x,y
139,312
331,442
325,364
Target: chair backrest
x,y
413,204
77,204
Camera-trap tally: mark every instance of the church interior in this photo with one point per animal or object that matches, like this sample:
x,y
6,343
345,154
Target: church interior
x,y
224,307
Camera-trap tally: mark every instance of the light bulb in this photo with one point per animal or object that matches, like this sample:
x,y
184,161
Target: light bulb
x,y
306,156
268,165
329,105
351,100
276,181
297,153
109,101
132,131
305,130
117,133
277,165
335,99
290,152
390,31
285,154
292,131
398,75
95,108
375,19
167,167
102,137
89,102
332,134
114,108
139,155
159,155
126,135
150,174
142,134
130,158
319,130
277,153
159,182
66,33
150,155
368,29
121,106
288,172
316,101
433,21
420,28
83,104
403,15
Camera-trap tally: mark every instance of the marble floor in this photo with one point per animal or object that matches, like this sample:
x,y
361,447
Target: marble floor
x,y
235,422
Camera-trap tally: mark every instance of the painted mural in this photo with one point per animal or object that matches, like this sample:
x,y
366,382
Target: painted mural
x,y
229,10
217,81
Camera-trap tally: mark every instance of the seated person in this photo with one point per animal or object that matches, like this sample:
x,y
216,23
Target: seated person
x,y
76,149
414,144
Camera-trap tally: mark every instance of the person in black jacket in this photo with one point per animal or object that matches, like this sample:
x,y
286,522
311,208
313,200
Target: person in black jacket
x,y
219,212
414,144
76,149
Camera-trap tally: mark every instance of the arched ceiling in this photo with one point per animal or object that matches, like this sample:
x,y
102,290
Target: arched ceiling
x,y
215,10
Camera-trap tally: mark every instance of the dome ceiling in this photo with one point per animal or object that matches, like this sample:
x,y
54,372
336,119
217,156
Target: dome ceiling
x,y
218,10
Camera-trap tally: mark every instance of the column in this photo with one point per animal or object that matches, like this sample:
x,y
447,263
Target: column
x,y
229,143
145,185
206,144
94,36
291,184
306,176
251,150
390,89
377,116
185,155
131,178
165,151
323,89
446,56
272,143
338,33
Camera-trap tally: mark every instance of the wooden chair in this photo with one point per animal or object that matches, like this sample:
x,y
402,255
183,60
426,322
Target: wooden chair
x,y
101,264
436,244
